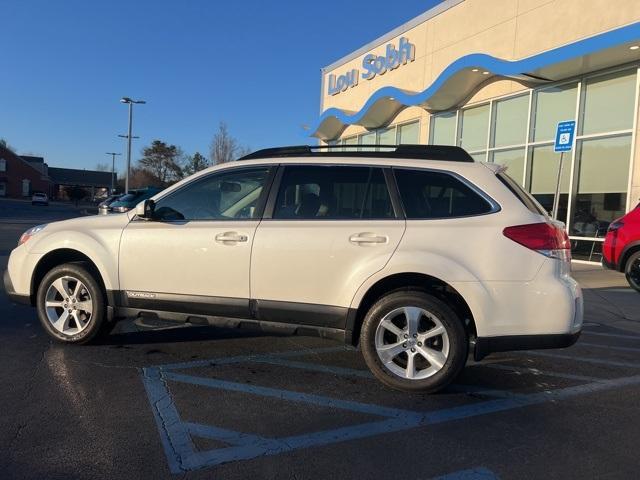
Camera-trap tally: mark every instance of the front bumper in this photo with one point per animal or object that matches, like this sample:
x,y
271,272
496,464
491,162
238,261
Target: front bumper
x,y
485,346
11,293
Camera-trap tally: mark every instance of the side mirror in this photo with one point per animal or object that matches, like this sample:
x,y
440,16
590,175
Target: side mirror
x,y
146,209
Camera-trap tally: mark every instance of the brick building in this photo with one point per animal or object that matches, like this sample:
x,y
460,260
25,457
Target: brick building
x,y
20,177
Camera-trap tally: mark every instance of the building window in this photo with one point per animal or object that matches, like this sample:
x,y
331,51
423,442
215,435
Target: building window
x,y
386,136
3,189
552,105
510,122
594,183
350,141
544,178
603,173
513,159
3,165
609,103
367,139
474,125
409,133
443,129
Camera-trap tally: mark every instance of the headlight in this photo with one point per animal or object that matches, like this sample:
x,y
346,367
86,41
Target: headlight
x,y
30,233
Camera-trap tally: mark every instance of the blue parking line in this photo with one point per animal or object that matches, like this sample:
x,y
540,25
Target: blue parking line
x,y
174,438
353,372
478,473
223,435
536,372
523,400
292,396
176,435
249,358
609,347
611,363
314,367
613,335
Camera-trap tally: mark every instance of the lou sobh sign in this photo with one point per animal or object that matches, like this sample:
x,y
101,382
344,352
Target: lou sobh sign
x,y
373,65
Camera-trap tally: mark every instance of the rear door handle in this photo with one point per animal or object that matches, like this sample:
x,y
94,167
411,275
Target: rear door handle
x,y
231,237
367,238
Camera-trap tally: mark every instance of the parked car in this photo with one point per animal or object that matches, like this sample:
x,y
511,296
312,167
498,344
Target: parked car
x,y
621,249
103,206
417,254
39,198
128,201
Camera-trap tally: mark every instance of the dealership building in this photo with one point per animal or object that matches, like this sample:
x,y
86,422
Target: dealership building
x,y
496,77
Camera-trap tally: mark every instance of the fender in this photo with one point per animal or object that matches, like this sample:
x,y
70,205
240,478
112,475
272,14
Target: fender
x,y
96,238
465,282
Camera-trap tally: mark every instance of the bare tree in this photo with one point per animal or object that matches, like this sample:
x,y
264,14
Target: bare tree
x,y
103,167
224,147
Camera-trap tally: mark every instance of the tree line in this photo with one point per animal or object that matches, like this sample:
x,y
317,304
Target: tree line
x,y
163,164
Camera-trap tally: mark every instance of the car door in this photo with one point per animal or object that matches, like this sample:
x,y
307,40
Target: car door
x,y
327,229
194,255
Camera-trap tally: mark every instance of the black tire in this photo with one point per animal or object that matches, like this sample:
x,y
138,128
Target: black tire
x,y
453,325
96,322
632,271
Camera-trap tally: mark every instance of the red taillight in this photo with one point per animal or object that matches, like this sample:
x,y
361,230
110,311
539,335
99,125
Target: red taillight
x,y
542,237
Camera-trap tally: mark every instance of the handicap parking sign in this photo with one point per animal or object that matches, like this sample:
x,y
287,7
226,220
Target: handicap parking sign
x,y
564,136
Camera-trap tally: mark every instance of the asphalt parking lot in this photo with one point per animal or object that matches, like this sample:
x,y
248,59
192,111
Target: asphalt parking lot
x,y
163,401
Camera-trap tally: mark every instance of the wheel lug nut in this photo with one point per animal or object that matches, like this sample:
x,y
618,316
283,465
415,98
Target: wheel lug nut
x,y
415,335
406,336
404,345
419,344
413,350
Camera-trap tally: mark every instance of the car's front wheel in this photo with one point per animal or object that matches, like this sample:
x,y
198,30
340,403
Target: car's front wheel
x,y
412,341
71,304
632,271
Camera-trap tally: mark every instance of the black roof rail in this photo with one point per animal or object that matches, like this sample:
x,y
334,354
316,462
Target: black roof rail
x,y
420,152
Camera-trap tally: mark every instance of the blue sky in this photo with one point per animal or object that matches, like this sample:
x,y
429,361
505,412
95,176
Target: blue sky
x,y
253,64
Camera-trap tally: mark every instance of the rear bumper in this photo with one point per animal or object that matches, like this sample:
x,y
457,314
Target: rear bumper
x,y
11,293
485,346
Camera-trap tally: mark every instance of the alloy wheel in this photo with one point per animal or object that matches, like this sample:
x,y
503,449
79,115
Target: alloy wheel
x,y
412,343
68,305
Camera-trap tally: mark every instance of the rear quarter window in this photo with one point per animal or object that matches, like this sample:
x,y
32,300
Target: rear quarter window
x,y
521,194
428,194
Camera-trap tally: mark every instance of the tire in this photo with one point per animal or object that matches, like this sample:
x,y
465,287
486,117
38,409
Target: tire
x,y
81,313
632,271
447,350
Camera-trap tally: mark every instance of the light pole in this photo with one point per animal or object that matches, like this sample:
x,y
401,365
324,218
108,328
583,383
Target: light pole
x,y
130,102
113,169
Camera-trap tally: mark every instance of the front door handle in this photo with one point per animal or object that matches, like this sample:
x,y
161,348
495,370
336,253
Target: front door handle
x,y
367,238
230,237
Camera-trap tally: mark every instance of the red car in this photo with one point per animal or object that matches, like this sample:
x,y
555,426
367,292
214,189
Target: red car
x,y
621,249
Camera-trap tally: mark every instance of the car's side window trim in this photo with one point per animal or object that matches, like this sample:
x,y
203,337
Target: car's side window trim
x,y
275,190
495,206
260,204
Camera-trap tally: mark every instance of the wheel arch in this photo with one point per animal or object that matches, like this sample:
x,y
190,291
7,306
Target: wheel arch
x,y
629,250
408,281
61,256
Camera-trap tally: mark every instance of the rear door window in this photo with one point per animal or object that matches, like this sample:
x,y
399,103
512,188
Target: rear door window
x,y
309,192
428,194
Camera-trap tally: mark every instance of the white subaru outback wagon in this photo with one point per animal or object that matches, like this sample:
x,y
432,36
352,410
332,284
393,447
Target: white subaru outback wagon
x,y
417,254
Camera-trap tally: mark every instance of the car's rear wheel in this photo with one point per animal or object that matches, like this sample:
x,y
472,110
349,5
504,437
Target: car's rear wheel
x,y
632,271
412,341
71,304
